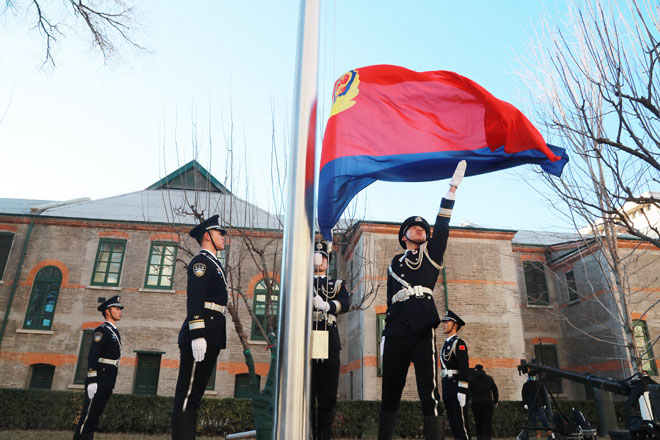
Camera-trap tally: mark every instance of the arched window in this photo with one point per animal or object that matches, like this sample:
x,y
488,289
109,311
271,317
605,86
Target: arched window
x,y
259,308
41,308
42,376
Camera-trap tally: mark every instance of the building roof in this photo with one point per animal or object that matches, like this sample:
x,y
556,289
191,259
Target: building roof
x,y
19,206
167,201
543,238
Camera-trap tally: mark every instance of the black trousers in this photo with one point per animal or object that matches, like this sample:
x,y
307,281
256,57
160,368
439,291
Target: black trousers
x,y
93,408
483,419
398,354
193,378
325,380
459,418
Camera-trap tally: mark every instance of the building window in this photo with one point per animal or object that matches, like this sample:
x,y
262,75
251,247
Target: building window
x,y
42,376
547,355
5,246
537,290
242,386
571,286
81,366
109,259
147,372
210,385
332,268
221,255
160,270
644,347
41,308
380,327
259,308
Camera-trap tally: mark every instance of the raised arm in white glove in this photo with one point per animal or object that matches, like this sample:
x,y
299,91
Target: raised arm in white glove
x,y
525,406
91,389
461,399
321,305
456,180
199,349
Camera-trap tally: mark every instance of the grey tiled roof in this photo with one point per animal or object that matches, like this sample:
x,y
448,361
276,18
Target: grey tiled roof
x,y
19,206
157,206
538,238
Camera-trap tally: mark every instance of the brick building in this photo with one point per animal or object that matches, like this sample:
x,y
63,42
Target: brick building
x,y
513,288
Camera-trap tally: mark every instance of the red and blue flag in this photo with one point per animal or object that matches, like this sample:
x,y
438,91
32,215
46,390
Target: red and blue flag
x,y
394,124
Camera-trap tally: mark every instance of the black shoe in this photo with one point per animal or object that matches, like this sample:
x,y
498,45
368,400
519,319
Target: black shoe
x,y
85,436
386,422
434,427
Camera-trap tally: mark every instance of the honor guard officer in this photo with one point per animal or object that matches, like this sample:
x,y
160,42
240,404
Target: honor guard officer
x,y
409,334
203,333
102,363
455,370
330,299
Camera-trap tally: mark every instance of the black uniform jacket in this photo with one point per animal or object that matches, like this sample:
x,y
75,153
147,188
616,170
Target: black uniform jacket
x,y
106,344
483,388
454,356
533,395
335,293
417,313
206,283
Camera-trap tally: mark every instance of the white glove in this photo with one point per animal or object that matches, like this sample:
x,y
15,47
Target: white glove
x,y
458,174
199,349
461,399
91,389
525,406
382,348
321,305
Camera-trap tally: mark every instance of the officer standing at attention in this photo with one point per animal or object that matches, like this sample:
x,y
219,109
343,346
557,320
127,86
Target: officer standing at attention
x,y
102,364
455,371
203,333
330,299
409,334
484,399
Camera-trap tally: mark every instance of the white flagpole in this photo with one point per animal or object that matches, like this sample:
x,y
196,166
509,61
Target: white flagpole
x,y
291,421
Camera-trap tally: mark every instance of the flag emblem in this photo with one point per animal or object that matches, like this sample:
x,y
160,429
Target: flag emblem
x,y
345,91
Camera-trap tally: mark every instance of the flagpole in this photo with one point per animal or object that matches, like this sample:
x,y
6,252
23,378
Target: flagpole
x,y
291,418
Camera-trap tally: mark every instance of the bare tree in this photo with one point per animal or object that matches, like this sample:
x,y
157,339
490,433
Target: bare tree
x,y
593,75
109,22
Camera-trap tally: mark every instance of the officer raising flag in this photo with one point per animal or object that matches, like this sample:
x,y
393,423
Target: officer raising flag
x,y
330,299
203,333
102,365
455,370
409,334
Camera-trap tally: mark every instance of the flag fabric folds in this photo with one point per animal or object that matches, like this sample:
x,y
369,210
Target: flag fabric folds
x,y
394,124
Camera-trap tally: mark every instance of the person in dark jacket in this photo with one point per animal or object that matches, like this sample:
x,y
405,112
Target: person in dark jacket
x,y
484,399
412,317
535,401
455,363
330,299
203,333
102,366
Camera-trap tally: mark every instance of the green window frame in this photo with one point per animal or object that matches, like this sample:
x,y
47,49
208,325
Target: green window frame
x,y
546,354
571,286
43,299
6,239
42,376
83,355
108,262
644,347
161,264
535,283
147,372
259,308
380,328
210,385
242,386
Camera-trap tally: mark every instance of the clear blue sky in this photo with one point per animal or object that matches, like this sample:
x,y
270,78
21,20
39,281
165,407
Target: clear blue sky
x,y
88,129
